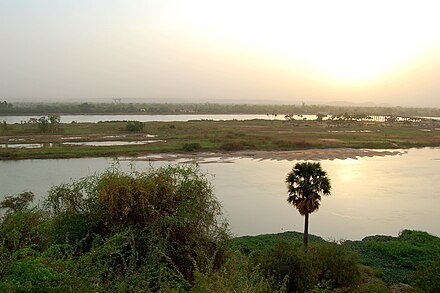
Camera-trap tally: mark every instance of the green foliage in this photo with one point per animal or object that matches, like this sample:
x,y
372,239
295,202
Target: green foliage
x,y
4,125
32,273
306,183
43,124
74,229
191,147
324,266
255,244
335,265
397,257
161,230
427,277
376,286
208,108
15,203
24,228
369,282
134,126
236,275
287,267
232,146
249,135
5,107
135,231
320,116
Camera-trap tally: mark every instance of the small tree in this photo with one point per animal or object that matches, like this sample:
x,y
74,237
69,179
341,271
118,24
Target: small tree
x,y
305,184
320,117
135,126
4,125
43,124
18,202
54,120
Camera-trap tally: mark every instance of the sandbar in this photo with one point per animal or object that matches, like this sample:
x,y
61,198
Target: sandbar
x,y
297,155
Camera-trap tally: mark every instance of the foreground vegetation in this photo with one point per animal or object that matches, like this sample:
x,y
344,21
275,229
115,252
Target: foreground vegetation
x,y
215,136
162,231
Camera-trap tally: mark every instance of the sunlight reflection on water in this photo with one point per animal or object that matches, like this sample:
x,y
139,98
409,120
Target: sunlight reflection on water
x,y
370,195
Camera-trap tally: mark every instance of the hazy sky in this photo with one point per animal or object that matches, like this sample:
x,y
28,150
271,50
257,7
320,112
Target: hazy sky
x,y
292,51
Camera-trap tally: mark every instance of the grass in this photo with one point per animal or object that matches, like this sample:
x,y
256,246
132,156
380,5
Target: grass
x,y
220,136
392,259
254,244
396,258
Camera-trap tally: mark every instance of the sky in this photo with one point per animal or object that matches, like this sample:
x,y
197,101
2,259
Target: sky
x,y
381,52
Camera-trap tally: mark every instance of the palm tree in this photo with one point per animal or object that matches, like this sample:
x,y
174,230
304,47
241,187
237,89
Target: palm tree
x,y
305,183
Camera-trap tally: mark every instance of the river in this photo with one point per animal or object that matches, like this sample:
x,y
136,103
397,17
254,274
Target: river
x,y
370,195
12,119
149,118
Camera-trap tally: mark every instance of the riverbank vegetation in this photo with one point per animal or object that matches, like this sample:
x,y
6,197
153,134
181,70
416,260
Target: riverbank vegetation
x,y
162,230
67,140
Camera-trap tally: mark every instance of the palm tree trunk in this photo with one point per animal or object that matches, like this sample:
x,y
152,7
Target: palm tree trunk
x,y
306,231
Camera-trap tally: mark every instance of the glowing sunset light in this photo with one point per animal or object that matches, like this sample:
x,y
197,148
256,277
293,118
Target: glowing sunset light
x,y
359,51
348,40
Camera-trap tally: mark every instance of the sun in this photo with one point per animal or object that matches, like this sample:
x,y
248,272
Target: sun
x,y
341,40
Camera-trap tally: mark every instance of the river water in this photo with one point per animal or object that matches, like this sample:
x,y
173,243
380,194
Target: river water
x,y
370,195
11,119
148,118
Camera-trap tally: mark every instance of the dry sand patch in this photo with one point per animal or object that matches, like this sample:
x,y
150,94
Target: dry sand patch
x,y
302,155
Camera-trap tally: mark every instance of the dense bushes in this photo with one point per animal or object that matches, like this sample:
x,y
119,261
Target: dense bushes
x,y
162,231
191,147
134,126
327,265
397,257
17,203
162,226
287,267
427,277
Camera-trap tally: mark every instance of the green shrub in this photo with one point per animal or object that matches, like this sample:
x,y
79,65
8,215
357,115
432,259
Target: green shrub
x,y
191,147
335,265
134,126
15,203
232,146
324,267
24,228
74,229
236,275
28,271
163,221
427,278
397,257
287,267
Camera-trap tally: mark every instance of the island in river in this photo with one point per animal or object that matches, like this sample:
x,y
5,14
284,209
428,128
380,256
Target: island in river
x,y
124,138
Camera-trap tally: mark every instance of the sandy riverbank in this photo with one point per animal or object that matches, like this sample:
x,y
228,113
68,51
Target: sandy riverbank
x,y
312,155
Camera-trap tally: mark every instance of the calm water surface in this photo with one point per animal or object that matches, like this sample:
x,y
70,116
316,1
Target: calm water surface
x,y
147,118
168,118
375,195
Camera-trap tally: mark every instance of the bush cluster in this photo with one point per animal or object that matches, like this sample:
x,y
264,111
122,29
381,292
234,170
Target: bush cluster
x,y
324,265
191,147
162,231
134,126
135,231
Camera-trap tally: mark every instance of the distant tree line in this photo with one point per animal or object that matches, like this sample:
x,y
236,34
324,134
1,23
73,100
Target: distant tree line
x,y
208,108
47,123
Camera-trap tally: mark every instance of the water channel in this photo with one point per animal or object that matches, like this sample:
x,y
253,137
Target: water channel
x,y
370,195
148,118
11,119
